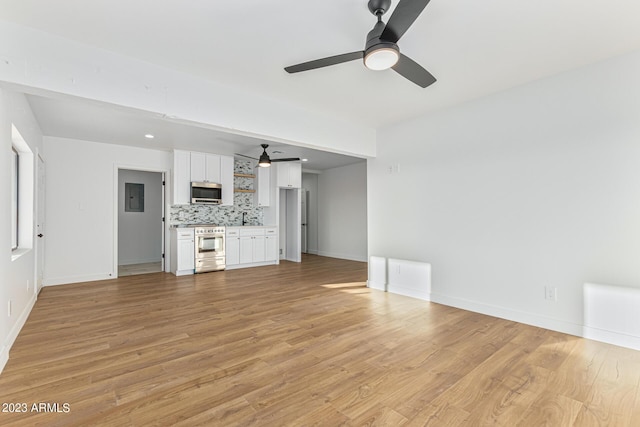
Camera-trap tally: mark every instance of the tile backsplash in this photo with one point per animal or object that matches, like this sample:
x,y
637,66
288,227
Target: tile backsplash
x,y
223,215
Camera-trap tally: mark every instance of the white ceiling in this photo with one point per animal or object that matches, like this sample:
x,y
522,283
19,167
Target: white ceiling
x,y
95,121
473,47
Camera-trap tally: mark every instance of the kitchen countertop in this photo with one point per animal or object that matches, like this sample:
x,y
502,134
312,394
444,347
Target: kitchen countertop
x,y
214,225
249,226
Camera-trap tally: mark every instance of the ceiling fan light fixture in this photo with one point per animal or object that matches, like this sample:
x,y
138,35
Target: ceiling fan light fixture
x,y
381,58
264,161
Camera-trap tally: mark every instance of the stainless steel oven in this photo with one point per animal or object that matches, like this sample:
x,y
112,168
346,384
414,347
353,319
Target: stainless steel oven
x,y
209,245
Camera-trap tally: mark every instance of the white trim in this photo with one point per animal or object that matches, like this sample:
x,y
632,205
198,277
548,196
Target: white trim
x,y
252,264
39,248
349,257
4,357
611,337
509,314
377,273
13,334
166,211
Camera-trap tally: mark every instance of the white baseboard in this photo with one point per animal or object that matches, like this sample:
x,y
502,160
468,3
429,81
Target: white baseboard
x,y
13,334
253,264
611,337
510,314
55,281
408,292
381,286
350,257
4,357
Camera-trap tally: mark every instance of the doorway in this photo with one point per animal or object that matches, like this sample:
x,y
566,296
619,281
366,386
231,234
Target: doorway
x,y
290,224
140,222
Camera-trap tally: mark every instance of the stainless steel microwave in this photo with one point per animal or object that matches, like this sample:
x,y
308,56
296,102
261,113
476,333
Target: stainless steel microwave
x,y
206,192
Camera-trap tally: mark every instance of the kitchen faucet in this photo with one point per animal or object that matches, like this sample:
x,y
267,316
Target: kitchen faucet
x,y
244,221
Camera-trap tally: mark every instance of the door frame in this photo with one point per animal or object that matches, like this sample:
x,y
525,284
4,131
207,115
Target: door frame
x,y
41,203
165,228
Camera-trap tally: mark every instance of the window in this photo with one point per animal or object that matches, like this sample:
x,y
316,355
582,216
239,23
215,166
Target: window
x,y
15,172
22,191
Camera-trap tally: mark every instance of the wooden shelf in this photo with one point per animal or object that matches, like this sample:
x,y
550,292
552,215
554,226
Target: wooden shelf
x,y
244,175
241,190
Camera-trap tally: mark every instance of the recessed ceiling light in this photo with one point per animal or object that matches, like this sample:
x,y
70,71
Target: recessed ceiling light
x,y
149,136
305,160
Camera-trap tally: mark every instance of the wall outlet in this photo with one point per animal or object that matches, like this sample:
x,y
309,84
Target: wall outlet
x,y
394,169
551,293
280,251
9,308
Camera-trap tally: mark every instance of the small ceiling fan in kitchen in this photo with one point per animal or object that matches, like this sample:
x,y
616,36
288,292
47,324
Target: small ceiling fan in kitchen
x,y
381,50
265,161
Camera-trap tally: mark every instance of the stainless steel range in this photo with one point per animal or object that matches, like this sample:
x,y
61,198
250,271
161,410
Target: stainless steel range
x,y
209,243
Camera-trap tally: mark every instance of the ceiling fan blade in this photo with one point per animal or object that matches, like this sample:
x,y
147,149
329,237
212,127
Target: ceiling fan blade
x,y
413,71
403,16
325,62
290,159
248,157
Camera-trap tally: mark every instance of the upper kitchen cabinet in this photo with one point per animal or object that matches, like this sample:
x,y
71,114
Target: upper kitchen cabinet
x,y
205,167
289,175
181,177
262,196
201,167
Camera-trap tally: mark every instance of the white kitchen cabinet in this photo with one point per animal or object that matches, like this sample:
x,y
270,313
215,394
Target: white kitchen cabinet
x,y
271,244
205,167
258,248
289,175
232,251
182,251
181,177
252,249
246,249
252,241
262,196
251,246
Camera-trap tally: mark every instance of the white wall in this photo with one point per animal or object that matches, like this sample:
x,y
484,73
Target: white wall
x,y
536,186
41,61
81,205
342,212
17,277
310,183
140,233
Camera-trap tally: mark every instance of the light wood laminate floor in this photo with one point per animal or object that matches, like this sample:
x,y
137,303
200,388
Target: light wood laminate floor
x,y
299,345
145,268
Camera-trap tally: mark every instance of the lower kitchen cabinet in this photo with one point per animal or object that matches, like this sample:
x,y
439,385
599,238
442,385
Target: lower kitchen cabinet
x,y
251,249
271,244
182,251
251,246
232,251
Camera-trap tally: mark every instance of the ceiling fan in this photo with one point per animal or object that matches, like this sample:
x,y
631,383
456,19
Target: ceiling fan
x,y
265,161
381,51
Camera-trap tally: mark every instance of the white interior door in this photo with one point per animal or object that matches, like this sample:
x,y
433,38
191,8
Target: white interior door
x,y
40,226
